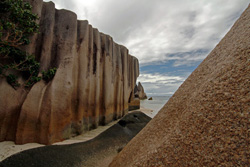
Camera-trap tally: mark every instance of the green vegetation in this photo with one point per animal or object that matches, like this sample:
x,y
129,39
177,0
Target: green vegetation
x,y
17,24
48,75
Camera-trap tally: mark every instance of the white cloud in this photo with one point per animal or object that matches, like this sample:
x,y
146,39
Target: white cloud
x,y
182,32
151,29
183,27
160,79
160,83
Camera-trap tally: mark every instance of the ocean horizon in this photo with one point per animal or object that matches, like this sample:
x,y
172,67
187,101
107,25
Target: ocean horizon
x,y
156,104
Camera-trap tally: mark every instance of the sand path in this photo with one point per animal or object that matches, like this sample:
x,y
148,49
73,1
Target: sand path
x,y
8,148
97,152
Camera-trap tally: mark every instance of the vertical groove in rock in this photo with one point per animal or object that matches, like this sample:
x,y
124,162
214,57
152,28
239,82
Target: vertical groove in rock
x,y
82,76
101,98
96,67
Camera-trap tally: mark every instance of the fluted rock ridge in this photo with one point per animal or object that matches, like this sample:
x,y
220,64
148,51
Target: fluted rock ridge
x,y
93,83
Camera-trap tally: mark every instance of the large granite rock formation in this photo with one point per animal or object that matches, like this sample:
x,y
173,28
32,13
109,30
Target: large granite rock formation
x,y
206,122
139,91
138,94
94,81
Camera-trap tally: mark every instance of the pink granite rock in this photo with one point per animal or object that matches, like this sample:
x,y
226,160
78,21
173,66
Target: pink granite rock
x,y
206,122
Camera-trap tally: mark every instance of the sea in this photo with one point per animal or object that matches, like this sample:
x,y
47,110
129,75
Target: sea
x,y
156,104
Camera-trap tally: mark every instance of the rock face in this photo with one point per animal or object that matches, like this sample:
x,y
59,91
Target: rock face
x,y
139,91
94,81
134,104
206,122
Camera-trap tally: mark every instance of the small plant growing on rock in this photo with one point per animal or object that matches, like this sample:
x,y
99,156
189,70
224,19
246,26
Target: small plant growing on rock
x,y
17,24
48,75
12,80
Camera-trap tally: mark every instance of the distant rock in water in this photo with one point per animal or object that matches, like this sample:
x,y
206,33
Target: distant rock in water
x,y
139,91
136,96
93,84
151,98
206,122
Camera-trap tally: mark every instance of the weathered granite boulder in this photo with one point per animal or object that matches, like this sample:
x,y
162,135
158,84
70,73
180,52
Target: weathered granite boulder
x,y
134,104
93,83
139,91
206,122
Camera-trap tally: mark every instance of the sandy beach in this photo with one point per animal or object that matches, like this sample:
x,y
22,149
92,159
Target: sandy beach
x,y
146,111
8,148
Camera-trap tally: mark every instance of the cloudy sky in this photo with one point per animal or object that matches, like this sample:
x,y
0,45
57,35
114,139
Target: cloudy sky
x,y
169,37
